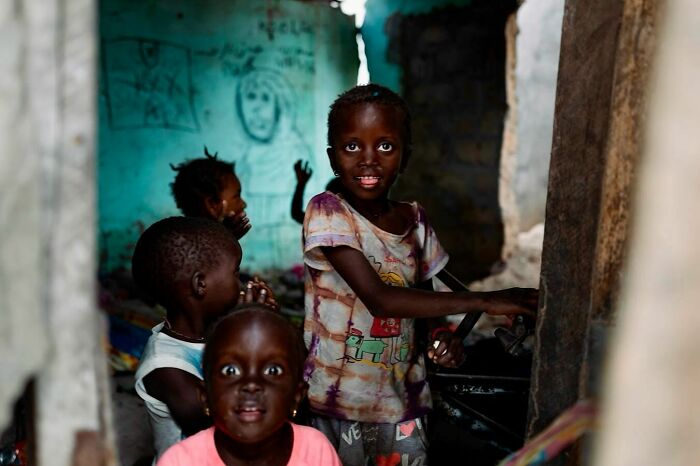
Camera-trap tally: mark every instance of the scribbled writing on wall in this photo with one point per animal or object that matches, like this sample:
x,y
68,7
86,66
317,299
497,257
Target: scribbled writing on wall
x,y
284,26
237,59
148,84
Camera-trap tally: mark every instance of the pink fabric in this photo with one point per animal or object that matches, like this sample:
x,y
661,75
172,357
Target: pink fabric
x,y
311,448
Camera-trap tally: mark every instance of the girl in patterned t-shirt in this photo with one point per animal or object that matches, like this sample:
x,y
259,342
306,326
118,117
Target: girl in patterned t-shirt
x,y
369,261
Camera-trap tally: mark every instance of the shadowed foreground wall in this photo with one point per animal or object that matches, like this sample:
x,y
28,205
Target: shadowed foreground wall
x,y
599,112
651,407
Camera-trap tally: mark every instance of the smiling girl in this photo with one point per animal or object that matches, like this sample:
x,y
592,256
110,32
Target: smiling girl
x,y
252,386
369,263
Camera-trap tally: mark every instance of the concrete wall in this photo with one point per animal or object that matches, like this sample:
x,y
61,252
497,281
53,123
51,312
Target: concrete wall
x,y
461,152
453,79
171,74
383,62
537,60
651,408
50,327
22,295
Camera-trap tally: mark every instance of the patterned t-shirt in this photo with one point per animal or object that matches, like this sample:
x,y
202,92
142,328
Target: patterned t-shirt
x,y
360,367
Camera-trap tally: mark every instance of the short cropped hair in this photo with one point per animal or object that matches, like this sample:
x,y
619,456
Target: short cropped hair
x,y
371,94
297,349
197,180
173,249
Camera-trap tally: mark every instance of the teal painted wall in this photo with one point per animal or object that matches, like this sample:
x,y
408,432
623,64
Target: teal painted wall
x,y
171,74
382,69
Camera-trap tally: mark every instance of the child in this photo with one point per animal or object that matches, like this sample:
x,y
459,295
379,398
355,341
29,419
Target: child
x,y
251,391
189,266
303,173
208,187
365,255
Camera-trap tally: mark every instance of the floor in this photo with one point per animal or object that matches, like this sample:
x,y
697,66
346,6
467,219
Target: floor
x,y
133,434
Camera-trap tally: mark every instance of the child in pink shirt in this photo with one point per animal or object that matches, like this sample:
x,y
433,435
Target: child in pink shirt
x,y
252,386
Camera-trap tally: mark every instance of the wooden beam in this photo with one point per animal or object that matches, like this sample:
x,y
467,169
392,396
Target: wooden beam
x,y
604,61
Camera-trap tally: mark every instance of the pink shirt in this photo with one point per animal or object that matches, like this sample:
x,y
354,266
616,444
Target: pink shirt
x,y
311,448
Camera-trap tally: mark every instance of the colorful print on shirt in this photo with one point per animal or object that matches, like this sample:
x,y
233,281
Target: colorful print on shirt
x,y
361,367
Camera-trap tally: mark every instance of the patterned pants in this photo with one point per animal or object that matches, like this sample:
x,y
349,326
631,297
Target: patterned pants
x,y
369,444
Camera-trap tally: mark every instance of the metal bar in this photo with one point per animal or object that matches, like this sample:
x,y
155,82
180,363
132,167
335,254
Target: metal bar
x,y
494,424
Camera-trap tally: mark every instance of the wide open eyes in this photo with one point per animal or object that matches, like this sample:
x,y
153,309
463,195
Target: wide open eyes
x,y
231,370
351,147
382,147
273,370
385,147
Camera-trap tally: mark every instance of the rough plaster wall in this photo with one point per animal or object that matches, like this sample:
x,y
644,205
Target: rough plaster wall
x,y
651,407
454,82
384,65
172,71
22,328
60,93
537,62
533,37
510,213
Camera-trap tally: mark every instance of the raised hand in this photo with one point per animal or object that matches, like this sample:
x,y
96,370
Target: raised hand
x,y
302,171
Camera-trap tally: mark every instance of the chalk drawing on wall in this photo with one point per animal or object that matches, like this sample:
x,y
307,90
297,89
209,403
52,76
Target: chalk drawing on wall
x,y
148,84
265,105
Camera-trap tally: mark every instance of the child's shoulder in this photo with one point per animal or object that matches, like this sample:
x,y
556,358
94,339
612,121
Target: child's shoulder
x,y
328,203
326,197
164,351
416,210
312,444
159,342
307,432
196,449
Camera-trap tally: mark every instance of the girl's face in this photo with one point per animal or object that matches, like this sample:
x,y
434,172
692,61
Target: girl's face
x,y
253,382
367,150
232,202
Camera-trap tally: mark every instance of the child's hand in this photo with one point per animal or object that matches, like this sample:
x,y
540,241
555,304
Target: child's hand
x,y
302,171
237,223
446,350
513,301
257,291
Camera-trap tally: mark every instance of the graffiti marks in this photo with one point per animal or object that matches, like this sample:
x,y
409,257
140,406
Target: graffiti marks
x,y
240,58
148,84
285,27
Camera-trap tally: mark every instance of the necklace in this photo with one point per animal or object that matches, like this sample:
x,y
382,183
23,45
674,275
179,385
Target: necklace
x,y
170,328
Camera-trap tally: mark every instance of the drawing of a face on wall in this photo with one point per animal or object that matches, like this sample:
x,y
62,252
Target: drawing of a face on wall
x,y
258,106
266,104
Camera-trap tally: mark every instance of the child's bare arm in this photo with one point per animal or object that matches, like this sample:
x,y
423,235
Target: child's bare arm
x,y
303,173
388,301
180,391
